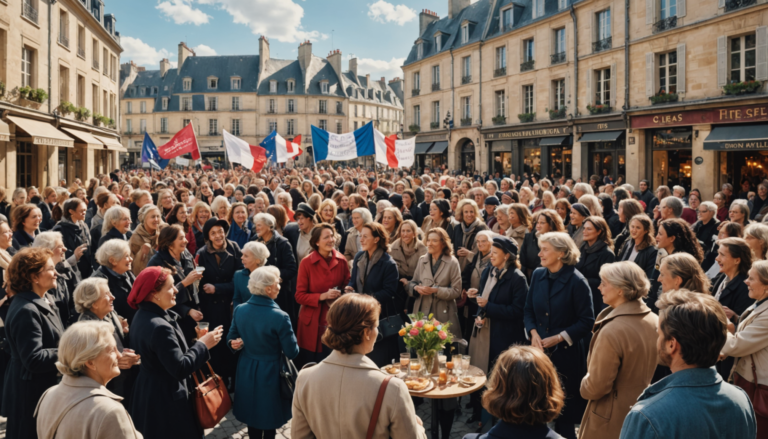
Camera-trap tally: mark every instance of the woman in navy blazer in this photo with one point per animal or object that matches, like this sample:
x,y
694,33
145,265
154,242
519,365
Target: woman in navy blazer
x,y
559,317
374,273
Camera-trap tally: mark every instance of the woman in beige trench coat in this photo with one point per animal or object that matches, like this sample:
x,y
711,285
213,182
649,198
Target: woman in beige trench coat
x,y
622,355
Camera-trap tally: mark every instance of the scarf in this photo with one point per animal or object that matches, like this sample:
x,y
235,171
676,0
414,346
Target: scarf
x,y
468,230
408,250
366,263
5,259
594,248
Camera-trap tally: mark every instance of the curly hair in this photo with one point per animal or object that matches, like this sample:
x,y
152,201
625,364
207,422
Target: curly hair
x,y
26,263
685,241
348,319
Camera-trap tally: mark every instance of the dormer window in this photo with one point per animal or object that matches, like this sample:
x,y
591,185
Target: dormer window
x,y
165,103
273,86
142,91
154,91
465,34
187,84
291,86
324,87
438,43
213,83
236,83
420,51
506,19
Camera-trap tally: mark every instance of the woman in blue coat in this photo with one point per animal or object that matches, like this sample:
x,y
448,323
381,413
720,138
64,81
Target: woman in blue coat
x,y
559,318
264,333
374,273
254,255
281,255
161,406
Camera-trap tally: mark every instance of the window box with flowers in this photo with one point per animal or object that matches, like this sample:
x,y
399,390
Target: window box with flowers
x,y
82,114
526,117
465,122
434,125
66,108
499,120
556,114
32,97
663,97
414,128
598,108
740,88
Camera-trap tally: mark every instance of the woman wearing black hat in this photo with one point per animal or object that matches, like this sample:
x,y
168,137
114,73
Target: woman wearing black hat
x,y
439,216
501,302
596,251
220,258
579,213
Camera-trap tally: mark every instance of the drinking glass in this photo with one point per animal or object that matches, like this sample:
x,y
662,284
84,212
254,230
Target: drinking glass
x,y
414,367
457,364
405,360
465,360
442,358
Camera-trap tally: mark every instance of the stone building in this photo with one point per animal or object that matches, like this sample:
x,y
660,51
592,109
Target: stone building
x,y
250,96
65,132
578,88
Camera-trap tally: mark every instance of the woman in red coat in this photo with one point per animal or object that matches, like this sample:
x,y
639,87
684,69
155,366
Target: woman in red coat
x,y
322,277
178,215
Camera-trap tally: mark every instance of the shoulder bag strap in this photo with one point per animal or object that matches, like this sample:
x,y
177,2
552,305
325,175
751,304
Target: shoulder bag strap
x,y
754,372
377,408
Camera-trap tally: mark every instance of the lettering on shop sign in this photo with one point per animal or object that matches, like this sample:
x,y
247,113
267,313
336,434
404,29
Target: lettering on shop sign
x,y
749,113
757,144
52,142
739,114
544,132
602,126
668,119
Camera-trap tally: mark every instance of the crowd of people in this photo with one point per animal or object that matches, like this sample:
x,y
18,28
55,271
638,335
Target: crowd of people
x,y
596,309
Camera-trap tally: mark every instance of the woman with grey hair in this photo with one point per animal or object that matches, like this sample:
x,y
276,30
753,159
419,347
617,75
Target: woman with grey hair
x,y
116,225
264,332
756,235
360,217
89,362
115,261
279,255
95,302
254,255
68,274
144,239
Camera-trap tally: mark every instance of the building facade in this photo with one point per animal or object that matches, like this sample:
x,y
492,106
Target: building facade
x,y
578,88
250,96
60,92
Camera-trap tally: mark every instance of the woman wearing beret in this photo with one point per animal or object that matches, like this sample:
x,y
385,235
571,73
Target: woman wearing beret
x,y
439,216
161,406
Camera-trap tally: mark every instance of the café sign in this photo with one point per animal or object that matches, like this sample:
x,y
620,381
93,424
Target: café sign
x,y
742,145
49,141
747,113
529,133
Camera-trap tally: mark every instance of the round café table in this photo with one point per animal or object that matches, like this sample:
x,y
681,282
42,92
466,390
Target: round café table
x,y
450,390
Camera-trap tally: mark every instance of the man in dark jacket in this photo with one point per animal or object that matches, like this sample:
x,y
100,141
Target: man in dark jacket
x,y
646,196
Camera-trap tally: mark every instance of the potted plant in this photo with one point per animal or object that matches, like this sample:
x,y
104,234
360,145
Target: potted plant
x,y
663,97
467,121
414,128
526,117
97,119
2,88
737,88
434,125
556,114
111,123
66,108
426,336
82,114
24,92
598,108
499,120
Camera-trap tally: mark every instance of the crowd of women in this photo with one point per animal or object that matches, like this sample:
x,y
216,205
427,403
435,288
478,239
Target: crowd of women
x,y
114,294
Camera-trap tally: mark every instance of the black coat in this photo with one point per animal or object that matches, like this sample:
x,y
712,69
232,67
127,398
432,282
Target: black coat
x,y
647,197
90,211
645,259
424,206
33,329
557,305
589,266
735,296
614,223
63,294
188,297
503,430
291,232
120,287
74,236
416,214
529,254
161,407
620,239
21,239
199,238
706,234
281,256
134,215
506,308
114,234
457,235
47,211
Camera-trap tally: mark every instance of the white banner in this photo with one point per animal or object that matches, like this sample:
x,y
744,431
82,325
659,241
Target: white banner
x,y
182,162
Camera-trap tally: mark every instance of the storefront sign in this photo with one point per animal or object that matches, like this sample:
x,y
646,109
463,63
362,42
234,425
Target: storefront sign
x,y
749,113
424,139
5,138
742,145
602,126
530,133
698,160
38,140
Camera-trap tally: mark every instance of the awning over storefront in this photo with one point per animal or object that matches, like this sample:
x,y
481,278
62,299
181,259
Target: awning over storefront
x,y
553,141
41,133
422,148
5,132
439,148
601,136
86,138
737,137
111,143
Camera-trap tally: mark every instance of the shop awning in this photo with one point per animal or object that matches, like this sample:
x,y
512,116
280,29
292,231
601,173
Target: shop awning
x,y
111,143
422,148
601,136
86,138
41,133
5,132
439,148
553,141
739,137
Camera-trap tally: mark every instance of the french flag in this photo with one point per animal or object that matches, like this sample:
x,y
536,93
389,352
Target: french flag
x,y
329,146
280,150
239,151
393,152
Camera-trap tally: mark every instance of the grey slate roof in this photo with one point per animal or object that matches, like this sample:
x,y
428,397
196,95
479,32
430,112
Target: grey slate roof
x,y
199,68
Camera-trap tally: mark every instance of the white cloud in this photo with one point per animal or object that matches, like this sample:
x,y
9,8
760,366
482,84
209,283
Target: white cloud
x,y
378,68
182,12
141,53
277,19
382,12
203,50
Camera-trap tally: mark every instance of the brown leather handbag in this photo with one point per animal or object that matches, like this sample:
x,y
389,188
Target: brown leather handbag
x,y
377,408
758,393
212,400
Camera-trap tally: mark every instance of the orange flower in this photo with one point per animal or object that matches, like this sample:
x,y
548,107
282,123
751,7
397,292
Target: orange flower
x,y
429,328
402,332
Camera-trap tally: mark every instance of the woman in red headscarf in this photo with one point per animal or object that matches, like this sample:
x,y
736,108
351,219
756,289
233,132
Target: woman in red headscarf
x,y
161,406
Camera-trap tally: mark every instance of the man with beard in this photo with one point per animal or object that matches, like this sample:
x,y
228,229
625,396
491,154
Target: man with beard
x,y
693,402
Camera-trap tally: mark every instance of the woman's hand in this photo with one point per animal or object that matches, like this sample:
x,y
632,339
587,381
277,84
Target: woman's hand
x,y
212,338
404,281
195,315
472,293
481,302
479,321
209,289
349,289
80,250
236,344
193,276
731,327
729,312
425,291
124,324
462,252
551,341
330,294
536,340
145,249
128,359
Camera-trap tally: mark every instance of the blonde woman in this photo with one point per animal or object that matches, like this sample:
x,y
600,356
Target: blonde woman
x,y
391,218
144,239
407,249
756,235
220,207
463,237
200,214
593,205
327,214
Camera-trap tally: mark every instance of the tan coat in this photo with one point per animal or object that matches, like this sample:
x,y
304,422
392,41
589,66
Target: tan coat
x,y
335,399
406,265
350,248
138,239
751,338
448,282
87,411
621,362
518,234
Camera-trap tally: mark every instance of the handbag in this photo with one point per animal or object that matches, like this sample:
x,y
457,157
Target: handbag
x,y
390,326
212,400
288,376
377,407
758,393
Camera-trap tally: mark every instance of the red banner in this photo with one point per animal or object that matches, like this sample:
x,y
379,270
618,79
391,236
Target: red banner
x,y
182,143
259,158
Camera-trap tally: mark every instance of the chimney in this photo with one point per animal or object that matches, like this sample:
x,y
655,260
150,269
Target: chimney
x,y
164,66
425,19
263,52
353,67
383,83
184,52
456,6
367,80
334,58
305,55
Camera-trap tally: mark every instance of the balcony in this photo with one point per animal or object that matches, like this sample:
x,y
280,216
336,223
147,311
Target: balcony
x,y
213,133
323,111
415,92
466,79
81,52
665,24
64,41
500,72
732,5
604,44
557,58
235,132
526,66
436,86
434,125
163,131
128,133
29,12
466,121
271,111
499,120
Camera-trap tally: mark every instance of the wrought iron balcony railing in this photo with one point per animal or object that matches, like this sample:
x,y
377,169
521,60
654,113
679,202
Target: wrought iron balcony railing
x,y
415,92
557,58
500,72
436,86
466,79
665,24
604,44
528,65
732,5
63,40
29,12
81,52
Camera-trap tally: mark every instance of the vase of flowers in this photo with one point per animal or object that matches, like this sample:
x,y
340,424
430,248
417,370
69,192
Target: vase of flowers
x,y
426,336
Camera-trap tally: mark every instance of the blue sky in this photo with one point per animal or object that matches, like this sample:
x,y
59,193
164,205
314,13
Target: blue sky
x,y
378,32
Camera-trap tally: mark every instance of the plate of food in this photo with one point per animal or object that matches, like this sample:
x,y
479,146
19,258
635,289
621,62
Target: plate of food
x,y
419,385
393,369
467,381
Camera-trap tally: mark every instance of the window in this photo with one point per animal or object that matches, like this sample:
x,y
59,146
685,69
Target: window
x,y
438,43
291,86
236,127
558,90
24,164
506,19
290,127
154,91
142,91
528,50
105,58
323,124
273,86
185,122
466,69
501,103
355,110
538,9
80,91
324,87
81,42
338,127
143,107
113,69
323,107
743,58
235,103
562,4
465,34
143,126
213,104
213,83
272,125
417,81
501,57
560,41
355,126
26,67
527,99
668,9
112,106
95,54
235,83
165,103
291,106
436,112
417,115
339,108
213,127
164,125
272,106
603,25
128,126
186,104
64,28
603,87
187,84
95,98
436,76
420,51
668,72
129,107
466,108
